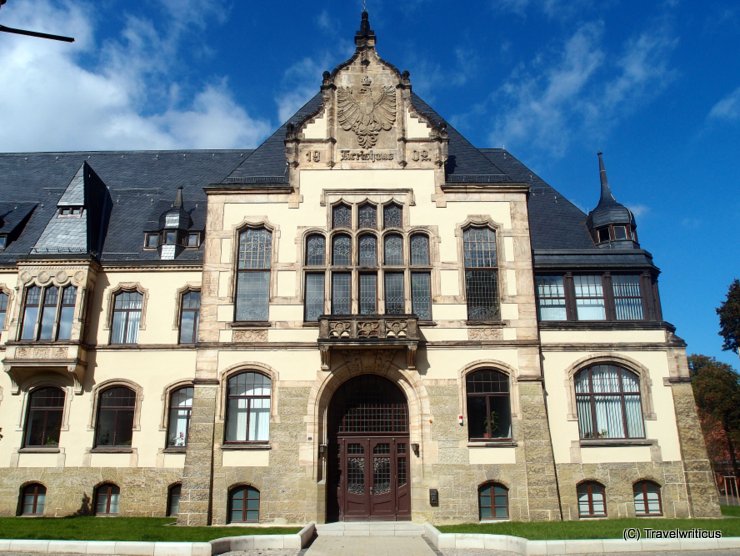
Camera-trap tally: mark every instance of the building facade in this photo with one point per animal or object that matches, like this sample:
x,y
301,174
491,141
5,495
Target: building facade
x,y
366,317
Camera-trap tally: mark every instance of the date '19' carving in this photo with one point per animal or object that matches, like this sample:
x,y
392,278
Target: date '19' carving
x,y
313,156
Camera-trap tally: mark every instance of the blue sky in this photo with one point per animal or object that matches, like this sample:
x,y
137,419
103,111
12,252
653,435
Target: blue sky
x,y
655,85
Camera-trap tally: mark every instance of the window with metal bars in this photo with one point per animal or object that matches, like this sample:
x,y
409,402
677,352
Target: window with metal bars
x,y
254,261
481,273
608,403
595,297
367,273
48,312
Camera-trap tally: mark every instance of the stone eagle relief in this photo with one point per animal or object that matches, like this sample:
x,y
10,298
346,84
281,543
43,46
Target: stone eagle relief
x,y
367,113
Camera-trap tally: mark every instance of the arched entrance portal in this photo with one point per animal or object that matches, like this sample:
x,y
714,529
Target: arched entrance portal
x,y
368,452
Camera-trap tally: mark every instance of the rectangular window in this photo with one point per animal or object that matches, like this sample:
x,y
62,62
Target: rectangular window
x,y
481,274
421,295
47,315
627,297
3,309
551,298
127,307
368,293
394,298
253,280
589,295
341,291
314,294
189,316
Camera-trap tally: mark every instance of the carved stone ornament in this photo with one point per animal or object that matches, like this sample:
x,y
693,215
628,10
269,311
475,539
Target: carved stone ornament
x,y
367,112
250,336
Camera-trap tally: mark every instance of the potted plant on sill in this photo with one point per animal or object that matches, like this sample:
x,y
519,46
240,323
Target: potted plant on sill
x,y
490,425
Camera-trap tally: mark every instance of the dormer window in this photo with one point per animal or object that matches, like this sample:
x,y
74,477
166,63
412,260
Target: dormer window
x,y
172,220
620,232
603,234
151,241
70,211
170,237
3,241
193,239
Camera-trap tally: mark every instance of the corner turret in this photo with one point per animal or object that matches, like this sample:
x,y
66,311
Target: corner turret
x,y
612,225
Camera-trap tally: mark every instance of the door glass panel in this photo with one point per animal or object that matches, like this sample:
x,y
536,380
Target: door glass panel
x,y
356,475
381,475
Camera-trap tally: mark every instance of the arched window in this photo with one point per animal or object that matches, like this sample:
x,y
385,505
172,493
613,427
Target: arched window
x,y
489,407
481,273
44,417
189,316
341,216
248,408
115,422
33,499
608,403
253,274
367,216
178,422
244,505
127,307
647,498
106,499
392,215
591,499
493,501
173,499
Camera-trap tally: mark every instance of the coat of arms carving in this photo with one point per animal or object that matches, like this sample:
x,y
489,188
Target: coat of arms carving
x,y
368,112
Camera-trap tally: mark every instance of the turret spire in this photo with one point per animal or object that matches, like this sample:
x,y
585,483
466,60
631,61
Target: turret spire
x,y
611,223
365,37
606,192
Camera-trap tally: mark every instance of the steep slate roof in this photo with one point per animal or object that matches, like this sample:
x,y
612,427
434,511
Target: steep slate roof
x,y
138,181
142,185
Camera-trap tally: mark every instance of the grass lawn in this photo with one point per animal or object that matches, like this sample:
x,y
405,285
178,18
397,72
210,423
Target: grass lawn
x,y
732,511
591,529
122,529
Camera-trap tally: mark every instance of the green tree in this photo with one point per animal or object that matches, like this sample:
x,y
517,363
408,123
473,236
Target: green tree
x,y
716,388
729,318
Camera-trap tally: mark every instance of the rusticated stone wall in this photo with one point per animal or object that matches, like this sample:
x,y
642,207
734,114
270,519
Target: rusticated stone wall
x,y
195,500
618,479
288,494
702,491
70,490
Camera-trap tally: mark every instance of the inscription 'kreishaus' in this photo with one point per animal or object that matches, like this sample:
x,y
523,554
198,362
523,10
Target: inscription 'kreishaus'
x,y
365,156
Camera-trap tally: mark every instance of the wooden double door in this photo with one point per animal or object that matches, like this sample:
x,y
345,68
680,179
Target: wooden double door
x,y
373,477
368,460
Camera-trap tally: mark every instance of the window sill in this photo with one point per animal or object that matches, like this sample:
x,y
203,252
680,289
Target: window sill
x,y
112,450
250,324
481,323
615,442
489,443
175,450
237,446
604,325
39,450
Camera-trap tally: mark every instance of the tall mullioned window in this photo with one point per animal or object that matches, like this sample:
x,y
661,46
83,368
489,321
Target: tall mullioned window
x,y
178,422
115,420
127,308
189,315
48,313
248,408
254,260
3,309
481,273
608,403
367,264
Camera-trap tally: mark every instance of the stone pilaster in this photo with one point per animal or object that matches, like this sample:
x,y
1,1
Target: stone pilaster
x,y
195,499
700,486
542,489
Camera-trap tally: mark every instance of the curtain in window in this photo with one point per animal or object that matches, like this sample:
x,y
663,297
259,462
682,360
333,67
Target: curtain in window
x,y
647,498
66,313
34,499
126,318
181,404
627,297
551,298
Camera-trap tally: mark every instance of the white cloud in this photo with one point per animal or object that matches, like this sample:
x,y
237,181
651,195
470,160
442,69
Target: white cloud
x,y
579,93
639,210
553,9
123,94
728,108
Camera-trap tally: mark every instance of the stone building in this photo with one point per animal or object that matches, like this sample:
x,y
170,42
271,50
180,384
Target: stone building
x,y
366,317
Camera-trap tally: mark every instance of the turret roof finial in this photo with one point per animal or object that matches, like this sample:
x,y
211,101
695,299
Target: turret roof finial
x,y
606,192
365,36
